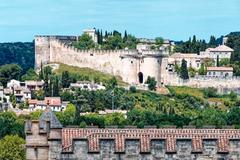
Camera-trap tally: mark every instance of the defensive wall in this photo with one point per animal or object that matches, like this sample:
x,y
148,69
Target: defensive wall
x,y
132,66
52,142
223,85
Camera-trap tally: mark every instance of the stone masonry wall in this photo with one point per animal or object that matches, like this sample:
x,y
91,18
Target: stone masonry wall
x,y
224,85
124,63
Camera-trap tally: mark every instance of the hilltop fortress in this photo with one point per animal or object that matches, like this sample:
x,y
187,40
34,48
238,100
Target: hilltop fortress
x,y
134,66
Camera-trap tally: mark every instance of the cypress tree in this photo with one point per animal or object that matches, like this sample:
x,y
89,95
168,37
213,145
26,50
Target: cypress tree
x,y
125,36
41,72
56,87
184,70
218,61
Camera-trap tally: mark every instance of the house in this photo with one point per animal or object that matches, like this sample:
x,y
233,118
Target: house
x,y
92,34
221,52
22,94
86,85
53,102
193,60
220,72
34,85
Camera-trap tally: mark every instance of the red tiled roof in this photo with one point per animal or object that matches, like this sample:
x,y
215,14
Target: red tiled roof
x,y
146,135
219,69
32,101
53,101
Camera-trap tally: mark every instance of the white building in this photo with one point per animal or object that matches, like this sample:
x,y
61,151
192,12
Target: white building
x,y
86,85
1,94
220,72
92,34
22,94
53,102
193,60
221,51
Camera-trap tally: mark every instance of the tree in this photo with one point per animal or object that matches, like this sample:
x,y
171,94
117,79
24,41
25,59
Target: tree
x,y
233,117
233,96
152,83
210,92
13,100
41,74
30,75
159,41
218,63
12,148
10,124
84,42
184,70
56,87
112,83
114,42
8,72
202,70
66,80
212,42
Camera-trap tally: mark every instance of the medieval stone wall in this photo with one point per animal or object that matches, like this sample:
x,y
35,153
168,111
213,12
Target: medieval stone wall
x,y
223,85
131,144
125,63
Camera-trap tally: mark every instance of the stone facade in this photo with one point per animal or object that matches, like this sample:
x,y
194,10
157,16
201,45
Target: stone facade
x,y
47,140
134,67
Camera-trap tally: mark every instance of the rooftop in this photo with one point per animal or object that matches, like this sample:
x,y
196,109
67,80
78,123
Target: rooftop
x,y
221,48
219,69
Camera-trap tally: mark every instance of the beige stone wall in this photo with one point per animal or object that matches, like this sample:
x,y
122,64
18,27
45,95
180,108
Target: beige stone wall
x,y
124,63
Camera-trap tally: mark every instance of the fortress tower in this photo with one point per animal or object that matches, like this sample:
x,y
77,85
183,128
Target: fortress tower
x,y
133,66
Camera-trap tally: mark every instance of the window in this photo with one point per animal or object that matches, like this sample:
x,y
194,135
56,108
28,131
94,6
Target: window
x,y
214,73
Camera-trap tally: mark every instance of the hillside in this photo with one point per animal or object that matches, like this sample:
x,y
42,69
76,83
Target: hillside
x,y
87,74
21,53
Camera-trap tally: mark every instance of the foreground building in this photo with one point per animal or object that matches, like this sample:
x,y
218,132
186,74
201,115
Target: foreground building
x,y
46,139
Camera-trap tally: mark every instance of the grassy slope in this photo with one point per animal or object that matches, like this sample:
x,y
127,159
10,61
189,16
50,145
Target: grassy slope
x,y
187,90
88,72
196,92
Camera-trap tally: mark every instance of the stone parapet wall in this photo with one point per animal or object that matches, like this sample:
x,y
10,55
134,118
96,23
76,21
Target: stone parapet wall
x,y
223,85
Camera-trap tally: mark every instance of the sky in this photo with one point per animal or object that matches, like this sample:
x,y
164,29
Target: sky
x,y
20,20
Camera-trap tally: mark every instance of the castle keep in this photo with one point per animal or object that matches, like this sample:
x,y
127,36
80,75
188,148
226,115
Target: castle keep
x,y
47,140
132,65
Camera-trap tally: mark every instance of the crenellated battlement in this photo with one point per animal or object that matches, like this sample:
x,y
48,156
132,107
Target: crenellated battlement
x,y
46,140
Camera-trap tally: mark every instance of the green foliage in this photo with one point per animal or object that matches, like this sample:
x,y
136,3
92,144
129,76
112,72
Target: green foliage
x,y
112,83
152,83
12,148
133,89
159,41
30,75
192,72
10,124
233,96
17,53
68,117
84,42
13,99
184,70
66,80
212,117
84,74
233,116
210,92
8,72
224,62
202,70
114,42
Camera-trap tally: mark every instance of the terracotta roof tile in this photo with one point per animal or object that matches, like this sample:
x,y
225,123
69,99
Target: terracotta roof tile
x,y
146,135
